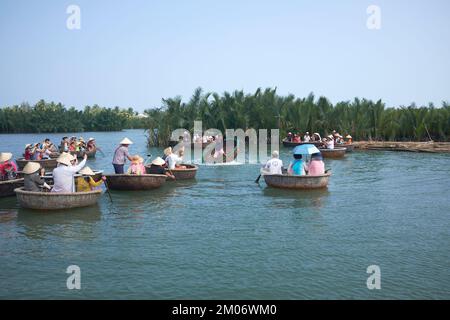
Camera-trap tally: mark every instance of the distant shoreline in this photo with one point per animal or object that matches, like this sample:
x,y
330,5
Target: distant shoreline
x,y
408,146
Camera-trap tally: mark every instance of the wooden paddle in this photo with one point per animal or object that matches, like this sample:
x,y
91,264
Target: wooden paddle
x,y
97,148
257,179
107,191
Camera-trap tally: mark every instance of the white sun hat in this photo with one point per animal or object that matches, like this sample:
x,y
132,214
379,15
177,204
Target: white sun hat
x,y
126,141
5,156
31,167
86,171
158,161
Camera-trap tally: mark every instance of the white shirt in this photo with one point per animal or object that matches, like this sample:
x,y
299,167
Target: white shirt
x,y
63,177
330,144
307,138
172,160
274,166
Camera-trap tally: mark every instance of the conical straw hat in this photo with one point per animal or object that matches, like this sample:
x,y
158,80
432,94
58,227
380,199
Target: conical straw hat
x,y
126,141
87,171
5,156
65,158
31,167
158,161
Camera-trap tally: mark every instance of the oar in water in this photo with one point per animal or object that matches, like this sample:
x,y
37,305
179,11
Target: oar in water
x,y
100,151
257,179
148,157
107,191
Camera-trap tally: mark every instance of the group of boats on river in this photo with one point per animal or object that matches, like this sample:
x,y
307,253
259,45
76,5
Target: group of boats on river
x,y
46,178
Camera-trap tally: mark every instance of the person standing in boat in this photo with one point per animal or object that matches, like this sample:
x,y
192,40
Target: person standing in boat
x,y
33,180
274,165
64,145
63,175
297,167
121,155
8,169
315,167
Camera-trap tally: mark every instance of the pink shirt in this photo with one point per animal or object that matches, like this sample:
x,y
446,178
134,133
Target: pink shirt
x,y
316,168
7,165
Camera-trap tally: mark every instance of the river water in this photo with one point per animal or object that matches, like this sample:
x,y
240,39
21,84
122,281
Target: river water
x,y
224,237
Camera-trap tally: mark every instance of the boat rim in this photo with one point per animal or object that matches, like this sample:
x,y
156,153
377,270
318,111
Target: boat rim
x,y
299,177
55,194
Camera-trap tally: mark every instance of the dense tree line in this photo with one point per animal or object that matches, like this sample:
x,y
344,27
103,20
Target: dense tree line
x,y
54,117
265,109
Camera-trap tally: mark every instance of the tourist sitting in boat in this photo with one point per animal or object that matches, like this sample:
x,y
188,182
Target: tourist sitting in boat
x,y
316,137
167,152
349,139
329,142
137,166
28,154
63,175
307,137
315,167
289,136
121,155
157,167
33,180
172,159
37,152
86,183
296,138
296,167
8,169
73,146
274,165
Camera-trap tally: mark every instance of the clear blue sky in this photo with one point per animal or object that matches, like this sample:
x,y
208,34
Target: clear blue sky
x,y
133,53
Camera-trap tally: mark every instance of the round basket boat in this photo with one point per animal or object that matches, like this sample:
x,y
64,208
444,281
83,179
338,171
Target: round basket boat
x,y
333,153
135,182
7,187
297,182
47,164
56,201
185,174
290,144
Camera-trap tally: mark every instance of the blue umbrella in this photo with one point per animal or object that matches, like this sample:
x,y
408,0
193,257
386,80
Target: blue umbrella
x,y
306,149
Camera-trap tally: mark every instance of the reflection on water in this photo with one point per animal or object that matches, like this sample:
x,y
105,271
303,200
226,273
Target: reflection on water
x,y
75,223
297,198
